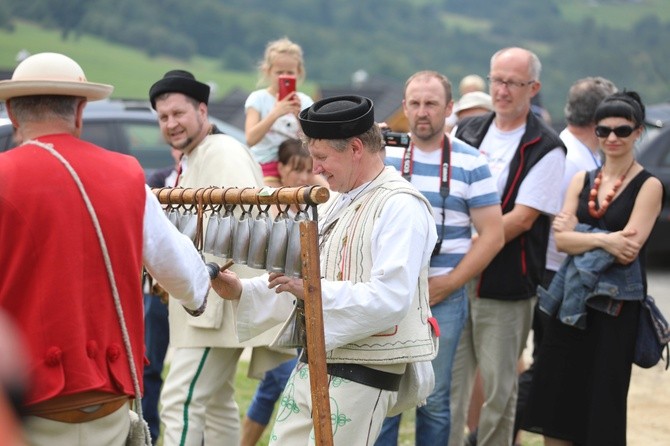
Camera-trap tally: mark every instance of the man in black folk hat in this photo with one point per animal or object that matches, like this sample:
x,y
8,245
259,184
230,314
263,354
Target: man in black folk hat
x,y
376,238
197,397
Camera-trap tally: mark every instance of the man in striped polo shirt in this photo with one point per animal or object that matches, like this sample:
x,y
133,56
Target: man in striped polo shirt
x,y
455,178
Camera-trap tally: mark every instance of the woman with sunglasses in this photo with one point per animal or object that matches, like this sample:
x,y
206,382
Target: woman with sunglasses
x,y
580,387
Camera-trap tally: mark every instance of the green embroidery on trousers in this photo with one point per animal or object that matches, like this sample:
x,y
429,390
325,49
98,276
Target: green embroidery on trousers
x,y
289,407
338,419
190,395
287,403
336,381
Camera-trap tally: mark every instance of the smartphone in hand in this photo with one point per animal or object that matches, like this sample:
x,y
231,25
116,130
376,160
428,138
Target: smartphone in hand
x,y
286,85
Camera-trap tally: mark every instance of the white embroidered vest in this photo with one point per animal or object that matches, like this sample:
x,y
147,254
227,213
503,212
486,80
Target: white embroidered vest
x,y
346,255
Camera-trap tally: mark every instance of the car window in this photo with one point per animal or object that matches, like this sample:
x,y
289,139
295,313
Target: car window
x,y
6,137
147,144
103,134
665,159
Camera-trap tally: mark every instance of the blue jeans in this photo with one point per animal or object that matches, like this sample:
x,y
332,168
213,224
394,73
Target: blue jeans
x,y
433,421
268,392
156,340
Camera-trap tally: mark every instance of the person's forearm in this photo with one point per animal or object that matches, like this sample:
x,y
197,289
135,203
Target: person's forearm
x,y
257,131
480,254
573,242
514,226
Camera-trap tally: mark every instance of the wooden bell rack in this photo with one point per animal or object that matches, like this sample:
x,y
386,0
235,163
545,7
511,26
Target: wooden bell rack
x,y
311,275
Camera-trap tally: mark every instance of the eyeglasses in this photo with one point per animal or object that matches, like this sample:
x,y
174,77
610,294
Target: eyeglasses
x,y
621,132
497,82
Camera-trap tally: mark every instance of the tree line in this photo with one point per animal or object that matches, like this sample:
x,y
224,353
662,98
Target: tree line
x,y
389,38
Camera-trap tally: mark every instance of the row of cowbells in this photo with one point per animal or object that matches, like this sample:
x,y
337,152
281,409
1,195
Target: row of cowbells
x,y
258,241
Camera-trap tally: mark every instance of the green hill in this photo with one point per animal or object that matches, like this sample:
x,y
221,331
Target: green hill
x,y
616,14
130,71
623,40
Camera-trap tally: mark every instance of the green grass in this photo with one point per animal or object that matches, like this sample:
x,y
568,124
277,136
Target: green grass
x,y
132,72
620,14
466,24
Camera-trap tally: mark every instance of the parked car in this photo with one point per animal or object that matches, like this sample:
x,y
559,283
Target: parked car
x,y
126,127
657,118
654,155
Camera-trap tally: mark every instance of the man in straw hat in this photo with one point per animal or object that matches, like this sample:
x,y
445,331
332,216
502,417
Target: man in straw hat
x,y
73,216
376,240
197,399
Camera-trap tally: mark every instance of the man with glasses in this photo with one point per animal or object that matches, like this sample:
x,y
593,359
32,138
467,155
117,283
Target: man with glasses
x,y
526,158
465,196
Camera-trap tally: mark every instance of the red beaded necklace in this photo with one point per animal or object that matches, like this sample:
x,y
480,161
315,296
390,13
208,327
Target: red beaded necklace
x,y
593,195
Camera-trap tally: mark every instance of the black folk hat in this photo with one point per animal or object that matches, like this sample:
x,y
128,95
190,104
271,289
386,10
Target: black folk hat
x,y
338,117
179,81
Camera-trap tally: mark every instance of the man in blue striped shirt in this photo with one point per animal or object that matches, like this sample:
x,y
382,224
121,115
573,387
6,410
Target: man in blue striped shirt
x,y
456,179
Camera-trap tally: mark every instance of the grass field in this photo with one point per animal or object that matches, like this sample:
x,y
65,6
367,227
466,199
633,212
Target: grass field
x,y
131,72
620,14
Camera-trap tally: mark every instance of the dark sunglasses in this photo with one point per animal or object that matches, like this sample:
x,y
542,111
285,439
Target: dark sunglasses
x,y
621,132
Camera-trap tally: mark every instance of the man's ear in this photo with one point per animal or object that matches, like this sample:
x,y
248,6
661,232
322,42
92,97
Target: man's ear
x,y
357,147
79,117
203,110
10,113
535,88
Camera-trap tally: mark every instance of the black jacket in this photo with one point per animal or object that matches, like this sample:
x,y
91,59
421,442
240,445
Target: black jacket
x,y
517,270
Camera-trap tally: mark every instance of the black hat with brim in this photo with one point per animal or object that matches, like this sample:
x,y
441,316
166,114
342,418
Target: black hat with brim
x,y
179,81
338,117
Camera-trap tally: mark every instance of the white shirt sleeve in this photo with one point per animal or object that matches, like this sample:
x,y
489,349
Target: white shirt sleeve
x,y
261,308
541,189
171,258
402,241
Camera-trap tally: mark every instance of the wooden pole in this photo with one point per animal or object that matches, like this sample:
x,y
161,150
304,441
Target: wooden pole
x,y
316,347
310,195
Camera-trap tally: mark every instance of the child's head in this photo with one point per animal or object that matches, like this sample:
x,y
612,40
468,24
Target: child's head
x,y
295,163
281,57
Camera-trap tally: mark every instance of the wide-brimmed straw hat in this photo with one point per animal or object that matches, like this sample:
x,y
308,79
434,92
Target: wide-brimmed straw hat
x,y
51,74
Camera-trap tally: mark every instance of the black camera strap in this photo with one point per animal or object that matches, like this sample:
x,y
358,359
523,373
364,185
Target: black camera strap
x,y
445,166
445,177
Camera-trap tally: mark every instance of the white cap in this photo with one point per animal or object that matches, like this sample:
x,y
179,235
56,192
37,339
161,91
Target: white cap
x,y
474,99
